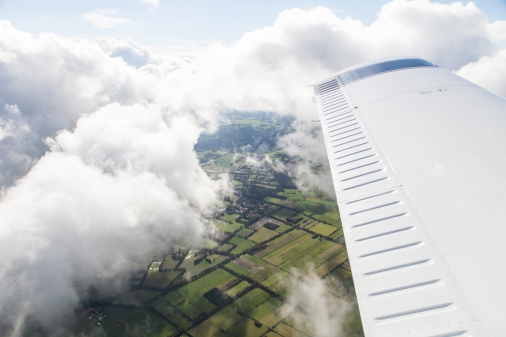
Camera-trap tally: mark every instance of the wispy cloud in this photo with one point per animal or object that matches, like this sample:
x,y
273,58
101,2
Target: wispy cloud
x,y
104,18
153,3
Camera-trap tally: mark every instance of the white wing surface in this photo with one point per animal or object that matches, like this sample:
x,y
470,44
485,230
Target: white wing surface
x,y
418,159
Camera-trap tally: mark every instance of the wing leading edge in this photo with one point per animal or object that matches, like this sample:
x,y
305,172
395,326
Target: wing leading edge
x,y
418,157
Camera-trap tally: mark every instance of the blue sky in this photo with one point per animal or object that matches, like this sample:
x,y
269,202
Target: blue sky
x,y
220,20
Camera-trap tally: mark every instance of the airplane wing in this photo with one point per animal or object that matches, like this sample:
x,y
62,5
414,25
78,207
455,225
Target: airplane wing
x,y
418,160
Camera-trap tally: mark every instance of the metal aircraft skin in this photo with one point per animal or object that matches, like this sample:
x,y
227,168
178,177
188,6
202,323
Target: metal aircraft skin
x,y
418,160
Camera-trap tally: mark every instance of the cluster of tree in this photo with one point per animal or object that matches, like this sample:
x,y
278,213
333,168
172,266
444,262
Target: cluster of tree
x,y
271,225
217,297
294,219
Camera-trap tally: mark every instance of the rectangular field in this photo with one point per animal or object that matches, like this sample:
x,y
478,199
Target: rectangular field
x,y
242,245
160,279
323,229
263,234
283,213
169,263
251,299
238,269
238,288
307,255
280,242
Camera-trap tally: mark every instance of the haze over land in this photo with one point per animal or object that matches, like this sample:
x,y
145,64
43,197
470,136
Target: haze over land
x,y
97,138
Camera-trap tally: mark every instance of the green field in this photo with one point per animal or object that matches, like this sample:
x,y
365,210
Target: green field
x,y
228,223
263,234
323,229
223,319
265,273
244,233
247,328
283,213
125,322
238,269
307,255
265,308
170,263
276,254
192,265
278,245
229,159
242,245
189,299
212,280
299,249
273,200
226,247
328,266
165,309
251,299
291,194
238,288
160,279
137,297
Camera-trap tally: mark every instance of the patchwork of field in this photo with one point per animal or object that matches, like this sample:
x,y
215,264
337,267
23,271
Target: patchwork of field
x,y
237,281
244,294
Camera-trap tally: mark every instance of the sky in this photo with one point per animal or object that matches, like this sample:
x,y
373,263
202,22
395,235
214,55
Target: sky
x,y
156,22
101,104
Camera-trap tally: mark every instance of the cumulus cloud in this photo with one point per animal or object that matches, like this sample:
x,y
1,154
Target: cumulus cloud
x,y
104,18
96,138
53,82
95,173
124,182
317,311
312,172
488,72
130,51
269,69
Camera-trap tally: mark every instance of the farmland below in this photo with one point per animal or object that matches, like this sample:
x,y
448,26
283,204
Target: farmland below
x,y
267,237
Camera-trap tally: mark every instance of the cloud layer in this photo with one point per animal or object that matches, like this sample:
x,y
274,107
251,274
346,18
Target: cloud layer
x,y
104,18
96,138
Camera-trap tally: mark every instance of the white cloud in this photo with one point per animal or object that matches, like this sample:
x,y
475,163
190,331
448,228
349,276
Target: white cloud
x,y
153,3
488,72
498,30
269,69
111,173
104,18
123,183
130,51
7,57
12,126
318,311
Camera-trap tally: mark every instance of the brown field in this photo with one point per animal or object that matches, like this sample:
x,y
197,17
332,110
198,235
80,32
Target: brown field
x,y
248,265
